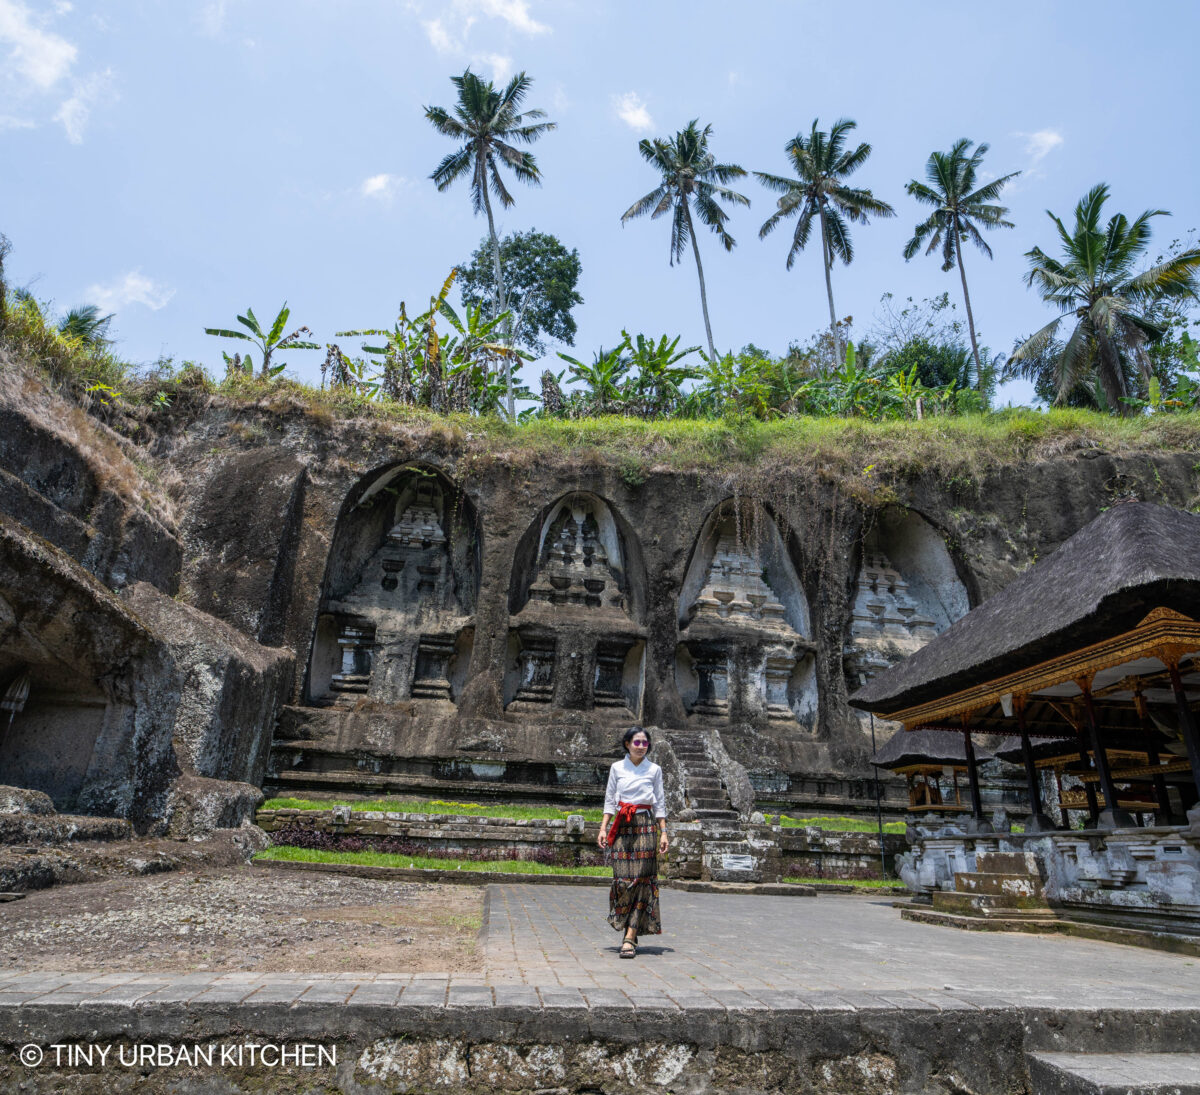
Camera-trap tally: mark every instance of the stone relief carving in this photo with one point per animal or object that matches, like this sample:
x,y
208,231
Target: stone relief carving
x,y
574,566
744,627
399,628
900,605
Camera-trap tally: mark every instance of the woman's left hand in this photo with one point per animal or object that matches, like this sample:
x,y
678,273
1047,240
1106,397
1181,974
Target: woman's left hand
x,y
662,844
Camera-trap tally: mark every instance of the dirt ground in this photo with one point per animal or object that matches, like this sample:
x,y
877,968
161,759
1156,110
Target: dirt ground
x,y
243,918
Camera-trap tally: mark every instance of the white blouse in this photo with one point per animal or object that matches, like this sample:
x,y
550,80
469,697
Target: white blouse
x,y
642,783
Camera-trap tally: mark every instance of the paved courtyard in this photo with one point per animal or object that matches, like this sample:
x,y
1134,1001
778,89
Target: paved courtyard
x,y
736,949
550,946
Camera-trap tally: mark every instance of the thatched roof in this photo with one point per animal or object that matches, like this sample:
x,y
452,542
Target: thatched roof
x,y
935,747
1136,741
1101,582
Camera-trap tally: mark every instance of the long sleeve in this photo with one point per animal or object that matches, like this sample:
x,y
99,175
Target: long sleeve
x,y
610,792
660,798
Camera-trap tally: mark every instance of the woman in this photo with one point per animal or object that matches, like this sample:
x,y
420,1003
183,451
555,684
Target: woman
x,y
635,806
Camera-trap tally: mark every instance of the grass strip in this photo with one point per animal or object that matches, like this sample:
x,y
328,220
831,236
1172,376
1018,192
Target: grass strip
x,y
841,824
436,806
421,862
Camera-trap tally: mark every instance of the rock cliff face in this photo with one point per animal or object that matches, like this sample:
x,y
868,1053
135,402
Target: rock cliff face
x,y
225,594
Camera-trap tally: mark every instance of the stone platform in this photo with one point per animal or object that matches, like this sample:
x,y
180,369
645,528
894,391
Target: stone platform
x,y
747,994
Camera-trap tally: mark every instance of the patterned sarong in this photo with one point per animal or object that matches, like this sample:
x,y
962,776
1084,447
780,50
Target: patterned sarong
x,y
633,899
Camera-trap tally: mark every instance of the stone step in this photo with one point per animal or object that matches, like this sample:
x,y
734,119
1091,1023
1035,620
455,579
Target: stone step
x,y
987,882
923,914
1008,906
1114,1073
716,815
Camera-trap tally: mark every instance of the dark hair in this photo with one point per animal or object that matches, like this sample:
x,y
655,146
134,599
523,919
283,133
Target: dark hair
x,y
629,737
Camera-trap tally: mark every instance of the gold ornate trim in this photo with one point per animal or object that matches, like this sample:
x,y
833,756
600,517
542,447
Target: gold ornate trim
x,y
1161,632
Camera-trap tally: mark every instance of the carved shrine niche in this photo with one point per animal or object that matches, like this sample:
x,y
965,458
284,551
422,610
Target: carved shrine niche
x,y
908,591
573,643
395,624
744,623
580,558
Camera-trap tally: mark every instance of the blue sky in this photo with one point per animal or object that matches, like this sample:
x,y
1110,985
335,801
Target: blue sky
x,y
176,161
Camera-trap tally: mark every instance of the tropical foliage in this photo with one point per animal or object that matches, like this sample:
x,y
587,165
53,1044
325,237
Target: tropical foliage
x,y
1098,287
269,342
958,207
464,369
819,191
691,177
540,276
489,124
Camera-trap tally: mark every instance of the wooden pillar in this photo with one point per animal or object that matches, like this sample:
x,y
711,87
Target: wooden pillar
x,y
980,823
1112,816
1089,789
1187,722
1038,821
1160,784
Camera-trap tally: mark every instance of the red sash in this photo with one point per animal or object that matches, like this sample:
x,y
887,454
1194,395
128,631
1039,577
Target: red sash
x,y
623,816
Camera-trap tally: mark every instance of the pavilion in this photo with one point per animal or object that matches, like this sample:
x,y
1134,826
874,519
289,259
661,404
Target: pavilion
x,y
1089,661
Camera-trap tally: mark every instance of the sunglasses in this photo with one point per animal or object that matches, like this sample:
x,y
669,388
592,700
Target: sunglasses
x,y
640,741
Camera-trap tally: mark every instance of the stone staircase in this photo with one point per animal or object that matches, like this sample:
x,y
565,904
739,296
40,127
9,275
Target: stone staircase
x,y
704,792
718,846
1003,893
1114,1073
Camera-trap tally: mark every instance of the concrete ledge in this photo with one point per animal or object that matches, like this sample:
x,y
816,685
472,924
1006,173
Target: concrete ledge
x,y
457,1036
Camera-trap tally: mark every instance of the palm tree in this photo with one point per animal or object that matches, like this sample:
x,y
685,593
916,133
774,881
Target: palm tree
x,y
821,163
1097,285
487,121
690,175
87,326
957,205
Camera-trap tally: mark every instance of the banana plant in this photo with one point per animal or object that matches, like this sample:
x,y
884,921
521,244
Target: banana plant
x,y
656,389
268,342
604,378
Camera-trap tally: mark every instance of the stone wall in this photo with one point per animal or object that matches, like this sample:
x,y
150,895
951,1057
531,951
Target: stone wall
x,y
413,608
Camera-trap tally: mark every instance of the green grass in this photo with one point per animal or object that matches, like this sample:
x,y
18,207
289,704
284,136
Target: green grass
x,y
436,806
428,863
857,883
841,824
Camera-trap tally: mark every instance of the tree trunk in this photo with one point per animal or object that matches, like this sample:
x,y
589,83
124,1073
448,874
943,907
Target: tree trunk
x,y
700,271
967,301
500,300
1112,380
827,259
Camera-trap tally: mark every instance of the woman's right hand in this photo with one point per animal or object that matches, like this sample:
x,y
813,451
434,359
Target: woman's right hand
x,y
602,838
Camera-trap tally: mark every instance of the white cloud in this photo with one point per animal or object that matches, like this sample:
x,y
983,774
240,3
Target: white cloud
x,y
8,121
133,288
40,56
212,17
439,37
501,66
514,12
382,187
632,111
1040,144
75,111
448,30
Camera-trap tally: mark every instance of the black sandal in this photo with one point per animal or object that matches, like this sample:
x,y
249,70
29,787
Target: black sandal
x,y
628,949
